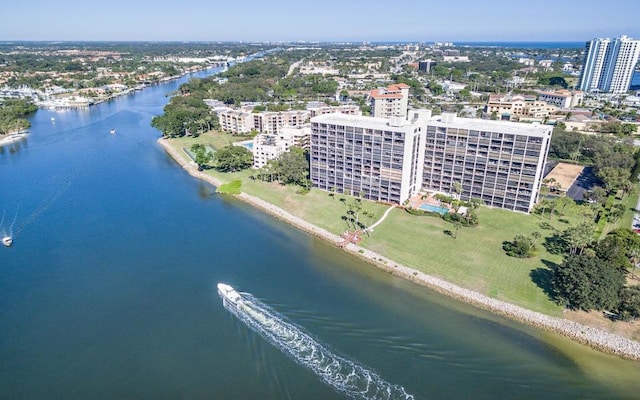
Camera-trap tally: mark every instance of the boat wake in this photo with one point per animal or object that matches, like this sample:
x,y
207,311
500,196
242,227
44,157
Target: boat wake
x,y
7,236
342,374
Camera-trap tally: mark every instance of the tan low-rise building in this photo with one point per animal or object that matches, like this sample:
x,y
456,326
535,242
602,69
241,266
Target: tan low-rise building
x,y
562,98
322,109
391,101
514,107
235,121
270,146
269,122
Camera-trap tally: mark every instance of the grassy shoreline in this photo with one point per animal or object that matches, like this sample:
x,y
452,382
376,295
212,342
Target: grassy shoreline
x,y
472,268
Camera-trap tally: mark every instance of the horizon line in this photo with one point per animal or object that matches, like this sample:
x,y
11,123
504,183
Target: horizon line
x,y
290,41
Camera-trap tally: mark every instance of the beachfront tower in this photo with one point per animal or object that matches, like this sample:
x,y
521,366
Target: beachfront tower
x,y
609,65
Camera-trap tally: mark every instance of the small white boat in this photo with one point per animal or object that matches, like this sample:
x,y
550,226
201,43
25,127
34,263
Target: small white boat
x,y
229,295
53,119
112,131
7,237
7,241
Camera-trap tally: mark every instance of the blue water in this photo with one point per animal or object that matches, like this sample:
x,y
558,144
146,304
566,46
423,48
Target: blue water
x,y
248,144
429,207
109,289
525,45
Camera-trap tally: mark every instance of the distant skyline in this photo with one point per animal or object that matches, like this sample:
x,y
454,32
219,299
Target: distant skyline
x,y
328,20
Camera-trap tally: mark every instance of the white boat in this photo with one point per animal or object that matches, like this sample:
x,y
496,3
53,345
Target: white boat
x,y
229,295
342,374
7,241
7,238
53,119
112,131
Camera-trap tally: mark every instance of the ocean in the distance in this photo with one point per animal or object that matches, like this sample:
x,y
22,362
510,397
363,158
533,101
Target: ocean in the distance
x,y
524,45
109,291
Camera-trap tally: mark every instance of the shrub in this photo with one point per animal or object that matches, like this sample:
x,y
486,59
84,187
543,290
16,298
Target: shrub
x,y
471,219
521,247
443,198
414,211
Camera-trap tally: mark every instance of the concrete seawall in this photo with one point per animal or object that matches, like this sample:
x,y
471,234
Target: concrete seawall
x,y
593,337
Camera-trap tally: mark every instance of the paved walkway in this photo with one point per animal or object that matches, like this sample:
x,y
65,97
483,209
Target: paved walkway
x,y
370,229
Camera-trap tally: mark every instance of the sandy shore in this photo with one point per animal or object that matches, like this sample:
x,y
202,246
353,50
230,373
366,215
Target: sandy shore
x,y
593,337
11,138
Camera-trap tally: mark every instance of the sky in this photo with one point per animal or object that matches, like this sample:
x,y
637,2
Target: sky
x,y
319,20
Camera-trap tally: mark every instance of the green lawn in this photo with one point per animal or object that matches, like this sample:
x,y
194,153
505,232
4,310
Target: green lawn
x,y
625,221
474,260
216,139
315,206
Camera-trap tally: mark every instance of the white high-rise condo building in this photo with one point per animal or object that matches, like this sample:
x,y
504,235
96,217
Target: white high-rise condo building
x,y
380,159
498,162
609,64
390,160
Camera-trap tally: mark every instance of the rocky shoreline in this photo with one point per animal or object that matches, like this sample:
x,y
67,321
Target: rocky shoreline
x,y
593,337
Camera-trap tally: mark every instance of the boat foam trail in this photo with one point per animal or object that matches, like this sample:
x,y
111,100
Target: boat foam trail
x,y
2,223
342,374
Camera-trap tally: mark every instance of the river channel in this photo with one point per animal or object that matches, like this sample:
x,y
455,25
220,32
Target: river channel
x,y
109,291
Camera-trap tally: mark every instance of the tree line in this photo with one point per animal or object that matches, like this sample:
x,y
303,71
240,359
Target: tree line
x,y
12,113
253,81
615,160
593,275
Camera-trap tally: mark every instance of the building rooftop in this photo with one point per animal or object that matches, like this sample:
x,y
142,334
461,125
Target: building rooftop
x,y
516,128
390,92
560,93
565,174
360,121
398,86
380,94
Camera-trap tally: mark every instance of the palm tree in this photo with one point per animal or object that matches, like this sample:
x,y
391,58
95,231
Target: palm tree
x,y
456,225
542,205
475,203
627,187
370,215
457,189
615,212
587,212
551,204
536,236
579,237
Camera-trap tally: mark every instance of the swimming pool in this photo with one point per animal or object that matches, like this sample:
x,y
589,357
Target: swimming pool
x,y
246,143
429,207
